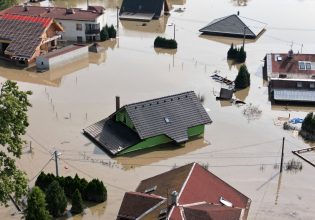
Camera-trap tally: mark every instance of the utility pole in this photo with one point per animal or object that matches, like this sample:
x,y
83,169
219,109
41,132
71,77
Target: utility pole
x,y
117,18
244,38
281,164
56,162
174,30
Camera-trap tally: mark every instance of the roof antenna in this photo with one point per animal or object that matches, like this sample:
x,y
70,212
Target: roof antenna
x,y
301,48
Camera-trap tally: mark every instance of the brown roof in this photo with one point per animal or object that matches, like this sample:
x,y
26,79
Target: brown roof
x,y
136,204
24,34
195,185
91,14
167,182
211,212
291,65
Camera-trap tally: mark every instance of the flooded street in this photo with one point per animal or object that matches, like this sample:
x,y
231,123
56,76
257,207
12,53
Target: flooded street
x,y
244,152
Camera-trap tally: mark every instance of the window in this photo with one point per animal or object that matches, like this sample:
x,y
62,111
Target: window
x,y
282,76
299,84
308,66
79,39
149,190
79,27
301,65
312,85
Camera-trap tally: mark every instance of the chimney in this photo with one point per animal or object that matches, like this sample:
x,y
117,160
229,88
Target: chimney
x,y
117,103
290,53
70,11
174,198
25,8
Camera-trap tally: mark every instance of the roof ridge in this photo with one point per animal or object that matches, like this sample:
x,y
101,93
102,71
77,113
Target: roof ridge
x,y
163,97
244,24
187,179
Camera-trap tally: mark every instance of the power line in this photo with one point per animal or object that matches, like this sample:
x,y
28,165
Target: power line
x,y
46,164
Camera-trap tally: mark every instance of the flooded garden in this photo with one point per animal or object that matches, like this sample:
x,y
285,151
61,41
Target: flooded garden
x,y
243,144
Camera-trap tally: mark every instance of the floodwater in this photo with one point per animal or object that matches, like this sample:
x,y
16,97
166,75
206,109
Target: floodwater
x,y
243,151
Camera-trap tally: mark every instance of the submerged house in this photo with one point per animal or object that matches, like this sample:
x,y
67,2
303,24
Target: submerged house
x,y
189,192
23,38
234,26
143,10
80,25
142,125
291,77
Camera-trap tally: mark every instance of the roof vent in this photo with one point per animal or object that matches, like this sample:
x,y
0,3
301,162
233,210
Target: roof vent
x,y
149,190
174,196
167,120
225,202
290,53
70,11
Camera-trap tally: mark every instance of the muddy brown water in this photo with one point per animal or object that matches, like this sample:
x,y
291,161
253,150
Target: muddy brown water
x,y
243,152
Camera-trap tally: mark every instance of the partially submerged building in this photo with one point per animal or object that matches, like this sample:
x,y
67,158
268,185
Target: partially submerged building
x,y
189,192
234,26
143,125
79,25
291,77
23,38
143,10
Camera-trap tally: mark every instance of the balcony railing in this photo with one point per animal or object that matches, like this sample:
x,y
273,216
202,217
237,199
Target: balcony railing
x,y
92,31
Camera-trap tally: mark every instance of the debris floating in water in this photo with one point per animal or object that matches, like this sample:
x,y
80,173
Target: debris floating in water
x,y
252,112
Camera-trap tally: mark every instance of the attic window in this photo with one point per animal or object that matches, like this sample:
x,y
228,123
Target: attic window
x,y
149,190
162,214
308,66
304,65
301,65
167,120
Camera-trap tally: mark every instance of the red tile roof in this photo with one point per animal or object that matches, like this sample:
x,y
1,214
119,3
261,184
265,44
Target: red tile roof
x,y
202,185
196,185
135,204
211,212
56,12
44,21
291,65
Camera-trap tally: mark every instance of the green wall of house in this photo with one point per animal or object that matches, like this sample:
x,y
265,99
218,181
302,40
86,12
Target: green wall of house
x,y
122,116
161,139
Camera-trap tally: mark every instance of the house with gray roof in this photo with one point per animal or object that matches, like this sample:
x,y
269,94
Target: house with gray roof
x,y
234,26
171,119
143,10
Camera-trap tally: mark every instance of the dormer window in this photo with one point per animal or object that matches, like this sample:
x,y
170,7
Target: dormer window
x,y
304,65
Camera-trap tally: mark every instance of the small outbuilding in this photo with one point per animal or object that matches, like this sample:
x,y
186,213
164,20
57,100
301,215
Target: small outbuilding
x,y
234,26
60,57
176,118
143,10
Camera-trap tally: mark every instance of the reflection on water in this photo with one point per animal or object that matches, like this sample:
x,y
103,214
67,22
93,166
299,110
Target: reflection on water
x,y
228,40
154,26
242,94
165,51
239,2
159,153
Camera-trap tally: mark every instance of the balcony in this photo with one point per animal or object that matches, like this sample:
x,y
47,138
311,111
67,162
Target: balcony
x,y
92,31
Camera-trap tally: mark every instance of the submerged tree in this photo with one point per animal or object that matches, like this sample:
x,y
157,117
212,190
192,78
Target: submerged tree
x,y
242,80
104,34
13,123
77,203
7,3
96,191
36,205
56,199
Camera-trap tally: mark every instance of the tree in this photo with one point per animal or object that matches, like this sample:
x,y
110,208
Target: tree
x,y
104,34
308,124
111,32
56,199
242,80
77,203
241,55
36,205
7,3
13,123
96,191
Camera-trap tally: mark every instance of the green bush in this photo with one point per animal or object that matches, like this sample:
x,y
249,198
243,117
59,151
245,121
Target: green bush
x,y
111,32
69,184
165,43
77,203
242,80
96,191
308,124
236,54
104,34
36,205
56,199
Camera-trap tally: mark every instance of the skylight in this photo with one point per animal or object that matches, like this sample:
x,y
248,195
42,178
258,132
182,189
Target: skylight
x,y
149,190
167,120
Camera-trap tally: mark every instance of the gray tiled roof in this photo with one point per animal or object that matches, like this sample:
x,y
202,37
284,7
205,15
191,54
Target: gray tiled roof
x,y
294,95
138,7
229,25
182,110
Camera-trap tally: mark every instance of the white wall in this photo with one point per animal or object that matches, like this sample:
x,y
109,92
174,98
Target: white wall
x,y
70,29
